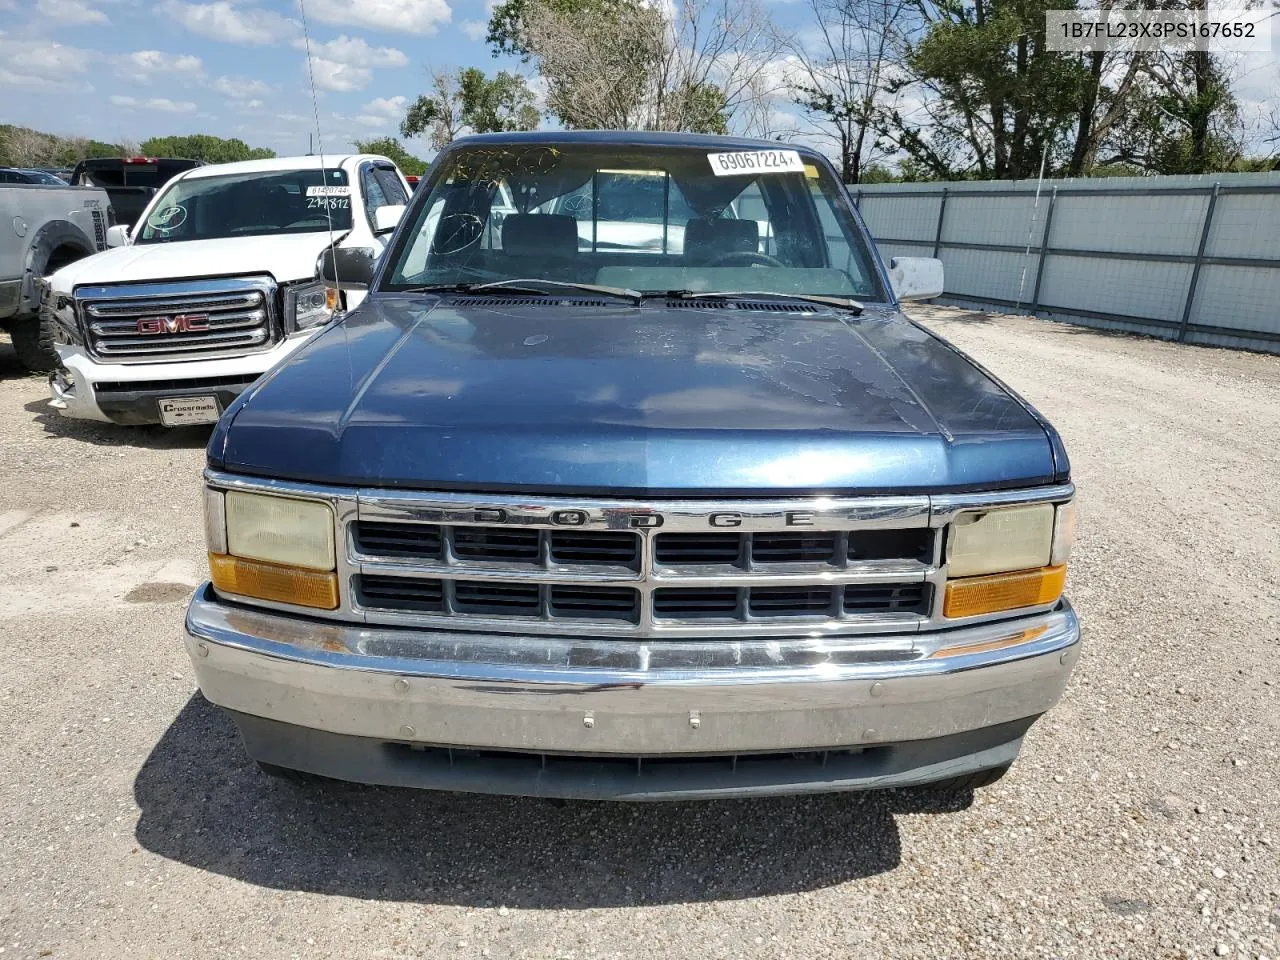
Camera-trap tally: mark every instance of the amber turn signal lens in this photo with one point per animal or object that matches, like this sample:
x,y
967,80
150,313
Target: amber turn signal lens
x,y
271,581
971,596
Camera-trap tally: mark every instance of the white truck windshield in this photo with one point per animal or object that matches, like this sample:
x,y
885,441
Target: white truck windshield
x,y
249,204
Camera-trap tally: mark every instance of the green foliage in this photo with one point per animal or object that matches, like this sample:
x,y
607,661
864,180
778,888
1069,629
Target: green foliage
x,y
24,147
506,24
393,150
202,146
697,108
1001,94
471,101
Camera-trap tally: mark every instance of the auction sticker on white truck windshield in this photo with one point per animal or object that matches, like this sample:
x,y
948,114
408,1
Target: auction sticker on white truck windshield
x,y
332,190
755,161
184,411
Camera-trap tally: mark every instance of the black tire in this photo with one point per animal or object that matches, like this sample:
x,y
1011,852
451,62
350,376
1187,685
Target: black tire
x,y
971,781
33,343
287,774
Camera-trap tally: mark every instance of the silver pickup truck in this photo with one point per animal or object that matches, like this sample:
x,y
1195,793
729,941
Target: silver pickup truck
x,y
42,229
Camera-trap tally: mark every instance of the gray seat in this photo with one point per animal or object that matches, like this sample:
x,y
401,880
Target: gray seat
x,y
542,235
706,238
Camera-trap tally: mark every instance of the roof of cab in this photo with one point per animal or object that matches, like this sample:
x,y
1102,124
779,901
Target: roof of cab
x,y
312,162
639,138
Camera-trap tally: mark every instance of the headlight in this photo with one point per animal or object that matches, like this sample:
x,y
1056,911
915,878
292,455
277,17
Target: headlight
x,y
309,305
1007,558
1008,538
272,548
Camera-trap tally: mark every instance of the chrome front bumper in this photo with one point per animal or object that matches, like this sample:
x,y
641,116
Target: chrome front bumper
x,y
334,699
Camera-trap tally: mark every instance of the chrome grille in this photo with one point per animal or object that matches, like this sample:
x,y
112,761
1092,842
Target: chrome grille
x,y
651,568
178,320
856,567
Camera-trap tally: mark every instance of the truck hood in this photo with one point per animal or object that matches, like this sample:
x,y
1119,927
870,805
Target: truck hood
x,y
285,257
443,394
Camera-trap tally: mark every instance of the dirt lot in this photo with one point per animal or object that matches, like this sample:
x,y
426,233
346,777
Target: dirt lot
x,y
1143,819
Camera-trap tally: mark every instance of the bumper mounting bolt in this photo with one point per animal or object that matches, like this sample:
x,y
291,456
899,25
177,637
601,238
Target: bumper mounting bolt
x,y
870,734
402,685
589,721
695,719
407,731
202,649
877,689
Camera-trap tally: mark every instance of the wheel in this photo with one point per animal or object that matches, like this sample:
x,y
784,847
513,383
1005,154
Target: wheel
x,y
971,781
287,774
33,343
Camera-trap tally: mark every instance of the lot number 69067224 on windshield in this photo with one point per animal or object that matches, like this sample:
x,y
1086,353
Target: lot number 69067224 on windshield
x,y
755,161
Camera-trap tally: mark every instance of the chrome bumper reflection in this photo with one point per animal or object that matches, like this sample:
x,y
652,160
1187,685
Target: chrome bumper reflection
x,y
618,697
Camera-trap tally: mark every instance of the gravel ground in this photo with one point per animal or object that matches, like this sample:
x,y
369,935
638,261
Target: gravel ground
x,y
1142,820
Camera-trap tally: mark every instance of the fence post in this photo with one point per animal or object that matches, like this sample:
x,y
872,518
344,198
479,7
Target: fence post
x,y
1195,270
1044,250
857,201
942,212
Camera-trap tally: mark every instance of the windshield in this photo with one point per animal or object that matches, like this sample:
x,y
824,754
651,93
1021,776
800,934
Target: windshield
x,y
249,204
646,218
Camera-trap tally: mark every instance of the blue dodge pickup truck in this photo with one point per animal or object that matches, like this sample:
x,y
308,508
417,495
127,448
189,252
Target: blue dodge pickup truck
x,y
629,480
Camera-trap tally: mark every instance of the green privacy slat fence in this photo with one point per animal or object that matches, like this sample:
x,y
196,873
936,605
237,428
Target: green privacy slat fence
x,y
1186,258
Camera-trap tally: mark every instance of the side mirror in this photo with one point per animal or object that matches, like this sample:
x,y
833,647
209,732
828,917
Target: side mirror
x,y
118,236
386,218
915,278
347,268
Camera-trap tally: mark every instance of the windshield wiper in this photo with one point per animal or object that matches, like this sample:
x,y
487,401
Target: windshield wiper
x,y
534,285
842,303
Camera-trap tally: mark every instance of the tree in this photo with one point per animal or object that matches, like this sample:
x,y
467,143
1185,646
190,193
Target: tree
x,y
1183,118
994,96
202,146
839,73
392,149
470,101
631,64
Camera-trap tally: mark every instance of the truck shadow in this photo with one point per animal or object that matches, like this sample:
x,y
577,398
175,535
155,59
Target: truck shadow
x,y
206,805
153,437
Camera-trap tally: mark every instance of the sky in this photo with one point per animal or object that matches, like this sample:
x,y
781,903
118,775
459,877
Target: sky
x,y
130,69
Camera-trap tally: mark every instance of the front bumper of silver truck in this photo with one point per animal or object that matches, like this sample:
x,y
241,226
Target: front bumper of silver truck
x,y
626,720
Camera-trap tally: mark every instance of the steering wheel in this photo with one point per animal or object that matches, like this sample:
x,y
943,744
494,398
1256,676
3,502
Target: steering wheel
x,y
745,258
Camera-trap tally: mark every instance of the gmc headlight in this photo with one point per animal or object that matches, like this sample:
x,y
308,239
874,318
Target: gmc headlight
x,y
309,305
272,548
1007,557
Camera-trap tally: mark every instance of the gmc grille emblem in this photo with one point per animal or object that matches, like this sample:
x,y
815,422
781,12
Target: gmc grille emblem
x,y
178,323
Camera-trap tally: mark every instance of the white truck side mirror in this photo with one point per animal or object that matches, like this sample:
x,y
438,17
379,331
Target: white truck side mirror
x,y
386,218
915,278
118,236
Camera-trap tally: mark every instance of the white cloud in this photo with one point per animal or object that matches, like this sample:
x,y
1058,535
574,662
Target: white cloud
x,y
397,16
239,88
223,20
342,77
475,29
43,58
380,112
74,12
390,107
142,65
357,53
162,104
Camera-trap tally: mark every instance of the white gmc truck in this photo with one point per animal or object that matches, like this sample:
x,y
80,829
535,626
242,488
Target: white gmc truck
x,y
215,284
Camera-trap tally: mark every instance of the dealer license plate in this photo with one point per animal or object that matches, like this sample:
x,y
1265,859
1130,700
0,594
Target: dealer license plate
x,y
184,411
